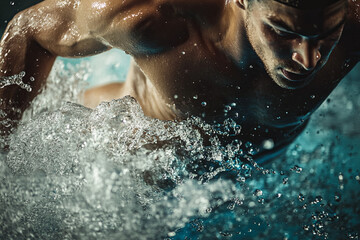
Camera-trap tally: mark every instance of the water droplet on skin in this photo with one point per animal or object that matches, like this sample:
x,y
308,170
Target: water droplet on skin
x,y
176,96
183,53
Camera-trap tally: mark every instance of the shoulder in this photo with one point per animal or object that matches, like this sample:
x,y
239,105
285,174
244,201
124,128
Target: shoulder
x,y
143,26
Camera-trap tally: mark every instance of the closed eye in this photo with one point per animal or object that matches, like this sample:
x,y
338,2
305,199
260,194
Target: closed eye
x,y
281,33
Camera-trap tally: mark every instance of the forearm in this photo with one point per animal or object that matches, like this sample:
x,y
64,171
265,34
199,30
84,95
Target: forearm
x,y
20,55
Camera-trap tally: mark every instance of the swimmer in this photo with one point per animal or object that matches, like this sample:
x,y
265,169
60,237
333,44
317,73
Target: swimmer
x,y
267,64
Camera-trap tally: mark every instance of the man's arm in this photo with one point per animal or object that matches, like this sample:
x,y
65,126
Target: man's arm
x,y
29,46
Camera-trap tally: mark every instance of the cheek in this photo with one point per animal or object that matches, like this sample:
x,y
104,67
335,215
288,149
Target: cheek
x,y
272,44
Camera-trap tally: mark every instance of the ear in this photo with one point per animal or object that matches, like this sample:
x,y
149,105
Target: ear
x,y
241,4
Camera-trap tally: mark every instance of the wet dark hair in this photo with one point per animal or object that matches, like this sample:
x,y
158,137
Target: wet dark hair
x,y
305,4
308,4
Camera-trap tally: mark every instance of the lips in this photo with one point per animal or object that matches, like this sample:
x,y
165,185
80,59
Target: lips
x,y
297,77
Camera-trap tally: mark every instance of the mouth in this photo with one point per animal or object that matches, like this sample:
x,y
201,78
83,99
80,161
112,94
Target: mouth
x,y
295,77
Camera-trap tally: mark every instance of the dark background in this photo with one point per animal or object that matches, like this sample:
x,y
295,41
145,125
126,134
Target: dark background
x,y
8,10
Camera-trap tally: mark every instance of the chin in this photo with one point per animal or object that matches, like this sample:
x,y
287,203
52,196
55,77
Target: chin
x,y
291,85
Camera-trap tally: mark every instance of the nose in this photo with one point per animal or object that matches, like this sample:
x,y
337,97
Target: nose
x,y
307,54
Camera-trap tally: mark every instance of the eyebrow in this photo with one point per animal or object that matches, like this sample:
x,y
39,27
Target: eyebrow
x,y
283,26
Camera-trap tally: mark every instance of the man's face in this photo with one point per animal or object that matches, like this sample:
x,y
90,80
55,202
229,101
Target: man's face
x,y
293,44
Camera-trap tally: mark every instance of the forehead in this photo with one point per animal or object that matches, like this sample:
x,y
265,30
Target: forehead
x,y
308,22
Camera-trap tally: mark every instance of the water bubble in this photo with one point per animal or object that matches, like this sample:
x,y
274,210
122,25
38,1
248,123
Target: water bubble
x,y
203,104
341,177
268,144
285,180
227,108
318,199
248,144
16,79
297,169
337,198
301,197
195,97
171,234
258,192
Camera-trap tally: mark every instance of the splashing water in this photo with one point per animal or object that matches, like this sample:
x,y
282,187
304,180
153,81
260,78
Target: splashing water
x,y
113,173
16,79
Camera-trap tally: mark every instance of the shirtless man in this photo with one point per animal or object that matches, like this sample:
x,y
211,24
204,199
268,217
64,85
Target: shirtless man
x,y
267,64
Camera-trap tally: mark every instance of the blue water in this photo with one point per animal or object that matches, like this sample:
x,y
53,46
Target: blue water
x,y
110,66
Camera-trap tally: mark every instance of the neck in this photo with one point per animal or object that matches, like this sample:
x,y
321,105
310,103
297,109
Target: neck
x,y
235,43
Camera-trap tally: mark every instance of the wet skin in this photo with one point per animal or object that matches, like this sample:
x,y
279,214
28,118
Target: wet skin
x,y
266,65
